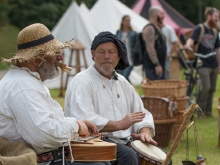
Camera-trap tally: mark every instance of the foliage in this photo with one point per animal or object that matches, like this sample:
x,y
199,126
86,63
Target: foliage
x,y
25,12
8,42
88,3
193,10
3,12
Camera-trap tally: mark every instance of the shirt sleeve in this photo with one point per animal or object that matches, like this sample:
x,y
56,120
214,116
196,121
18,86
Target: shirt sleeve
x,y
138,106
40,120
172,35
79,104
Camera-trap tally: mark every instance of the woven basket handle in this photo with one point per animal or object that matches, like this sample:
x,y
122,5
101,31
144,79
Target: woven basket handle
x,y
171,97
182,82
146,80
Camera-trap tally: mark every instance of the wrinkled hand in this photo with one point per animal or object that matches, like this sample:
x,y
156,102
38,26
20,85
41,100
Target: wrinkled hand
x,y
130,119
144,137
91,127
83,130
159,70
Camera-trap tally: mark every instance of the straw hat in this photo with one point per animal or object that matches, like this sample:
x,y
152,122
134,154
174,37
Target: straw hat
x,y
36,41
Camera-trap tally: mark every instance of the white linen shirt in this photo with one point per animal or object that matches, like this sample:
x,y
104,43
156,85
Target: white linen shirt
x,y
170,35
89,97
28,113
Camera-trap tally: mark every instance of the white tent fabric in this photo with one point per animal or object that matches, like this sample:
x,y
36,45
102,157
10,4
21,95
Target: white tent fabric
x,y
84,8
83,24
108,14
73,24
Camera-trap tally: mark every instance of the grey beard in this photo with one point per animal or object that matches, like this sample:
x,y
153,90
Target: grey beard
x,y
48,71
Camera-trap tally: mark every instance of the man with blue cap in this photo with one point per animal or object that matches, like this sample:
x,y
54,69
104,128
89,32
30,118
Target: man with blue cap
x,y
105,98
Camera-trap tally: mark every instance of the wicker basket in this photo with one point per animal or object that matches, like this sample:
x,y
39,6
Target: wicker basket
x,y
178,115
163,129
157,106
164,87
175,130
181,102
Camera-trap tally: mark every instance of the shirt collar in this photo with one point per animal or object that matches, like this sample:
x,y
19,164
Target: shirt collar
x,y
114,75
34,74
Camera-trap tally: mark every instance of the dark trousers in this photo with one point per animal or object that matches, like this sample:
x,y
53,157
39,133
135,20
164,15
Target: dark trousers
x,y
208,78
126,155
151,74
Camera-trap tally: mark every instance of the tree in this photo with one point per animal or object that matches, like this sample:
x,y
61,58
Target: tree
x,y
25,12
3,11
89,3
193,10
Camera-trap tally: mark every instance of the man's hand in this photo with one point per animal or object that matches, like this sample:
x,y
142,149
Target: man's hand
x,y
83,130
159,70
144,137
91,127
187,47
130,119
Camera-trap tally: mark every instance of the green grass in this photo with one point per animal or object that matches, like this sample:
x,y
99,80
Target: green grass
x,y
207,134
8,42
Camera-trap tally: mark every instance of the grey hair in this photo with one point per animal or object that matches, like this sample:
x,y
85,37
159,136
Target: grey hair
x,y
152,10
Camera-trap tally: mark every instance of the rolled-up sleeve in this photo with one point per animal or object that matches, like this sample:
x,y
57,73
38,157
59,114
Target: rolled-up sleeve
x,y
148,119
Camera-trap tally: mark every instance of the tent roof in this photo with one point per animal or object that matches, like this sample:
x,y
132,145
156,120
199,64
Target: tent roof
x,y
74,24
108,15
172,17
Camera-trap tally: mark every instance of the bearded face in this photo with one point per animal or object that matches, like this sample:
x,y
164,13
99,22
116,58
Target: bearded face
x,y
213,20
160,17
160,20
48,70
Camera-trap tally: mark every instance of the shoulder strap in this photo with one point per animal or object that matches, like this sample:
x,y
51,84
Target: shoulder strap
x,y
215,32
159,30
200,37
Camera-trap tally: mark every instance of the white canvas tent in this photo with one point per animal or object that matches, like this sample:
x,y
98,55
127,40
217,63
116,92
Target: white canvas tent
x,y
108,14
73,24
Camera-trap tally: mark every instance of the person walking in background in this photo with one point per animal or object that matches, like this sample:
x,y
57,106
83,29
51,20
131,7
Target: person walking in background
x,y
124,34
210,66
171,44
155,42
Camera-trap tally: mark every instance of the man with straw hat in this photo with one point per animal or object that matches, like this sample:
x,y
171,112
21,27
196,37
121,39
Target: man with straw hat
x,y
27,111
